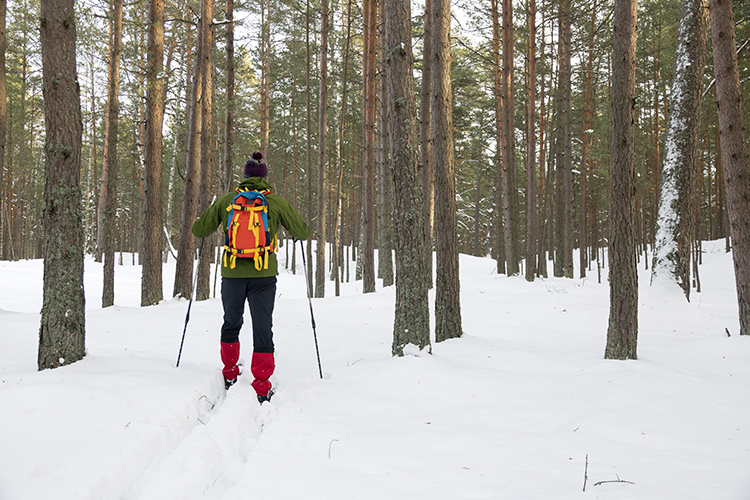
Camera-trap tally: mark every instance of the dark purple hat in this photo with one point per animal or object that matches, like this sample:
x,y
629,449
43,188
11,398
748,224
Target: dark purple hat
x,y
255,167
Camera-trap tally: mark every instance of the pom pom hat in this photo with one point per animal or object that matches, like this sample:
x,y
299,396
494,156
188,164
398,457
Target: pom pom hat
x,y
256,167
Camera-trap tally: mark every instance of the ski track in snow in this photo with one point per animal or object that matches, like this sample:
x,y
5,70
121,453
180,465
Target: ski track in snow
x,y
215,451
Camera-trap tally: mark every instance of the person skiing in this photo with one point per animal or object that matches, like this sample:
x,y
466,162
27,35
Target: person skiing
x,y
249,274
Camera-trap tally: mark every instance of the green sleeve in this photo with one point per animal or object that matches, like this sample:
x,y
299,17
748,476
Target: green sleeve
x,y
291,220
210,220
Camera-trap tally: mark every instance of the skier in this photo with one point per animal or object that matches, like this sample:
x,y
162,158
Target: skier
x,y
249,274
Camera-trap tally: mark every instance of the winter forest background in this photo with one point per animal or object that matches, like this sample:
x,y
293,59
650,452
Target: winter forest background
x,y
172,106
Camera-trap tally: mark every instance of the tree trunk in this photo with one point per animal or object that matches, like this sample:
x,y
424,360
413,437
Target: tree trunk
x,y
510,203
151,278
385,182
62,330
447,284
411,318
229,119
531,209
369,27
109,169
564,162
734,154
622,334
265,91
183,282
583,237
676,218
337,213
320,275
425,139
308,148
3,118
476,251
207,157
499,240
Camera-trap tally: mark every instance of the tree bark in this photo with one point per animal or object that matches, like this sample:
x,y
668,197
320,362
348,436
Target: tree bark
x,y
183,283
308,149
499,240
510,203
3,118
385,182
447,281
622,334
734,153
151,278
425,139
229,118
411,318
370,16
564,162
265,92
62,329
207,157
337,213
109,169
531,209
320,275
676,218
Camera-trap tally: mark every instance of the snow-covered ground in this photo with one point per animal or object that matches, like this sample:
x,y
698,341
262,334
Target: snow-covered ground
x,y
523,406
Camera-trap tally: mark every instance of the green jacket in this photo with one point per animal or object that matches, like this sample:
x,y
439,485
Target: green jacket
x,y
279,212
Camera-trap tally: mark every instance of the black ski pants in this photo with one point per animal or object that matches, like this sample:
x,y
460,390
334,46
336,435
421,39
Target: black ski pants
x,y
260,294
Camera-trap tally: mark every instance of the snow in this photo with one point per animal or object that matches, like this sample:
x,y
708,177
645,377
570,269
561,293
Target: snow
x,y
523,406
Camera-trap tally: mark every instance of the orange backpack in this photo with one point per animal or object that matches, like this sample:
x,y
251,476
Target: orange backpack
x,y
247,233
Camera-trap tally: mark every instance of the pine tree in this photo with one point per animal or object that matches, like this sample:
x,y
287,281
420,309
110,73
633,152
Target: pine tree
x,y
676,218
734,152
62,330
622,334
411,318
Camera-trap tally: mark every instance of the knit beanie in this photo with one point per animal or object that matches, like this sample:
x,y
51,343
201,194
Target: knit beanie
x,y
255,167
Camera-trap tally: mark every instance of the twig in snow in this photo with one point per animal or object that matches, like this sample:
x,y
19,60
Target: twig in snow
x,y
586,472
727,330
617,481
329,447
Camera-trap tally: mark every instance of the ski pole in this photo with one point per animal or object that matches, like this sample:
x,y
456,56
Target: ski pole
x,y
309,301
192,293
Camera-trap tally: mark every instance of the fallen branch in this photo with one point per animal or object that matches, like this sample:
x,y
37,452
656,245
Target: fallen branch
x,y
616,481
586,472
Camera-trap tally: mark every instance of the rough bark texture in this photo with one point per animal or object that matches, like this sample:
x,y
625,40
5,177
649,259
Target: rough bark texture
x,y
109,169
368,157
676,217
151,277
510,196
3,117
425,139
320,264
183,282
62,329
734,154
447,285
207,140
622,334
308,148
531,213
411,318
564,162
229,118
385,182
499,227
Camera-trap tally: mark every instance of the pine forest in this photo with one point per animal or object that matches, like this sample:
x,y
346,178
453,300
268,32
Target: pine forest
x,y
496,127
